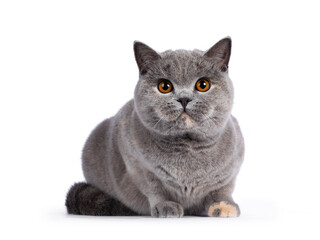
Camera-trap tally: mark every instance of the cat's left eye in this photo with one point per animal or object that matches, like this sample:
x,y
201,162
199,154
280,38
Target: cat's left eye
x,y
202,85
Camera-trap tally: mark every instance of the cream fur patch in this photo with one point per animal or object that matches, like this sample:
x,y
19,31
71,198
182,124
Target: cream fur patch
x,y
189,122
223,209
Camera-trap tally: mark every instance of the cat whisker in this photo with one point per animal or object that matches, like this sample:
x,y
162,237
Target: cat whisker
x,y
158,122
212,119
206,118
168,131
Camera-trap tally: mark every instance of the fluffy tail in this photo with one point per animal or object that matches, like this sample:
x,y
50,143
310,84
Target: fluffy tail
x,y
85,199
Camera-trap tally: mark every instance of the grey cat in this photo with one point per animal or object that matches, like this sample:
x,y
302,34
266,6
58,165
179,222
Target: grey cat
x,y
174,150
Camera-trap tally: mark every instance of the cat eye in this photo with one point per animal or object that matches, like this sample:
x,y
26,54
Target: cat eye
x,y
165,86
202,85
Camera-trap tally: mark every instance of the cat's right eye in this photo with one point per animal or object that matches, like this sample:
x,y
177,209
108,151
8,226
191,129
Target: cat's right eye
x,y
165,86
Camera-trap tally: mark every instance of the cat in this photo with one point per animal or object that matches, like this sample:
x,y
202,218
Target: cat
x,y
173,150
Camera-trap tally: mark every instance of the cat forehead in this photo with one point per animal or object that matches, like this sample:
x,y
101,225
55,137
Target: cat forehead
x,y
183,64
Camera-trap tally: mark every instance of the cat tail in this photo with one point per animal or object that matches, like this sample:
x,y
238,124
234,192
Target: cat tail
x,y
85,199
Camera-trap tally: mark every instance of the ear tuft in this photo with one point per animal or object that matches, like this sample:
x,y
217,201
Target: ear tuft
x,y
220,53
144,55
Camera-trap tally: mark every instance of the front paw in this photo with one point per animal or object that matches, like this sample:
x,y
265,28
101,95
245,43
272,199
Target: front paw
x,y
167,209
223,209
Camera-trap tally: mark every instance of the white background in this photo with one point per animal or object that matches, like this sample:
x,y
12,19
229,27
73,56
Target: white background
x,y
67,65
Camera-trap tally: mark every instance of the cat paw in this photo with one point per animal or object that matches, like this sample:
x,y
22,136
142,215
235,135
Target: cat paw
x,y
167,209
223,209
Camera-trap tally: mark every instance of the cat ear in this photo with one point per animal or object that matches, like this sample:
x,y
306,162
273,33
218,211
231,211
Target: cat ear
x,y
144,56
220,53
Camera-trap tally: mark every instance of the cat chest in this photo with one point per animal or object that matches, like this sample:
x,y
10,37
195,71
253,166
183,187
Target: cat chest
x,y
188,177
187,189
187,172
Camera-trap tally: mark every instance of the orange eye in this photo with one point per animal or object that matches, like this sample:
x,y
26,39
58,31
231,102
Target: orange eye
x,y
202,85
165,86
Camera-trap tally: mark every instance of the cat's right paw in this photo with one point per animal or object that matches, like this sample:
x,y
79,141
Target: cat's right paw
x,y
167,209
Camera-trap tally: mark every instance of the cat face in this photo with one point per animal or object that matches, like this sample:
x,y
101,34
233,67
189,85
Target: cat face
x,y
183,91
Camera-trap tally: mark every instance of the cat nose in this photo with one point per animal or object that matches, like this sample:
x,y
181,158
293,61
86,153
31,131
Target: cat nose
x,y
184,102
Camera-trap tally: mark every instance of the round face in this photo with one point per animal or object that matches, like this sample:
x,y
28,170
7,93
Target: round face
x,y
183,92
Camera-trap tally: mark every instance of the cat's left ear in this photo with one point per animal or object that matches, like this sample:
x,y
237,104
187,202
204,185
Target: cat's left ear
x,y
145,56
220,53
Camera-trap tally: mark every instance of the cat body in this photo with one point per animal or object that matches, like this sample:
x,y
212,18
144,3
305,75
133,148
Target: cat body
x,y
175,149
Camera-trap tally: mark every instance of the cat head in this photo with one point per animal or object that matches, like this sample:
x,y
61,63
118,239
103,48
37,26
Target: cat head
x,y
183,91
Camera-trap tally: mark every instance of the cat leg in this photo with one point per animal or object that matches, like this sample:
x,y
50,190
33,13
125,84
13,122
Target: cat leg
x,y
85,199
160,202
220,203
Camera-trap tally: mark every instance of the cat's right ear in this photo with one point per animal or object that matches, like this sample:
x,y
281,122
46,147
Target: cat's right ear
x,y
145,56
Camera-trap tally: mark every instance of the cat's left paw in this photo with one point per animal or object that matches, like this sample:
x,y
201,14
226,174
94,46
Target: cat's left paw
x,y
223,209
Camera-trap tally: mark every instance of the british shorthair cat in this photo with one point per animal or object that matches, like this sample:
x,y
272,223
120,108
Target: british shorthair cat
x,y
173,150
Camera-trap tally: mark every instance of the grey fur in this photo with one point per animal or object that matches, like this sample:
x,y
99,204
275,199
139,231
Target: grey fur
x,y
156,159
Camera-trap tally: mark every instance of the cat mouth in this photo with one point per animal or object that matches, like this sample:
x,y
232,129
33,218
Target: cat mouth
x,y
187,120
